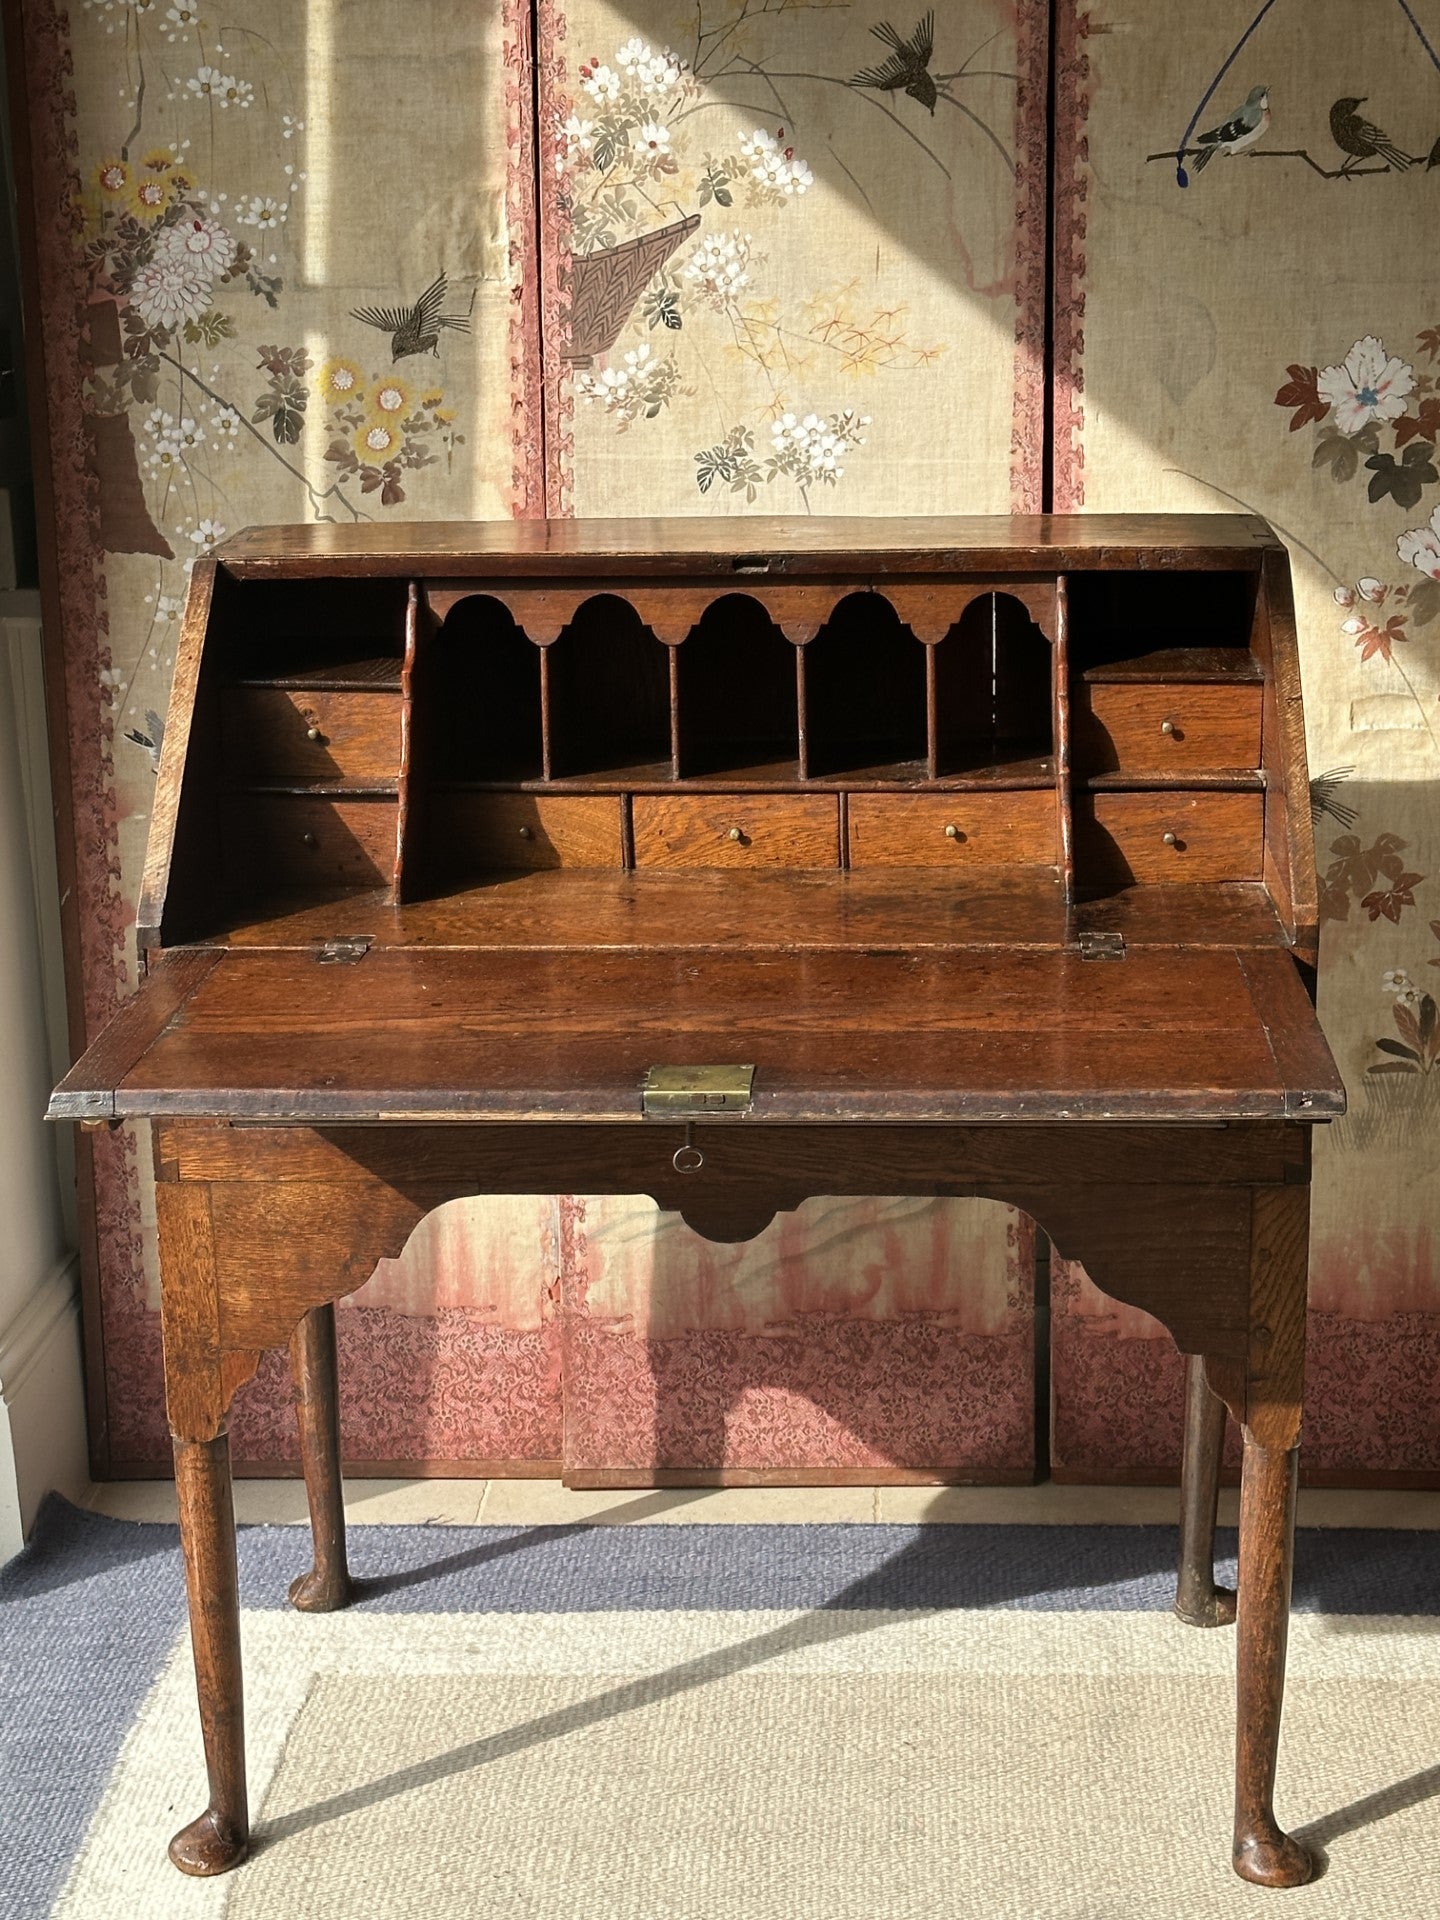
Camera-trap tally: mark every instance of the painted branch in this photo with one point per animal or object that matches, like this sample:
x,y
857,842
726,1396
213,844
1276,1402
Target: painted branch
x,y
1274,153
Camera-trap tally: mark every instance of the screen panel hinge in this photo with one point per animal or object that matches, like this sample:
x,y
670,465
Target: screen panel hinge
x,y
697,1092
1102,946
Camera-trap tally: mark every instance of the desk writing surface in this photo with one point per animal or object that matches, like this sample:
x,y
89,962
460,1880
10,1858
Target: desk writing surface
x,y
514,1034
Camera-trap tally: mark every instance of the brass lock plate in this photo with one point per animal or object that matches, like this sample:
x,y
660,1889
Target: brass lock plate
x,y
697,1092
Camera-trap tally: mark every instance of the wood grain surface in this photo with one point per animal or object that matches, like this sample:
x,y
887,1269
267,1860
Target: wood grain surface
x,y
1122,837
950,1035
737,830
185,717
958,831
1289,841
768,909
84,1092
750,545
1121,726
266,735
308,842
526,831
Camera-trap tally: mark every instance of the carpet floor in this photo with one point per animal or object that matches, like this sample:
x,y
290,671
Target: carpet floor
x,y
713,1723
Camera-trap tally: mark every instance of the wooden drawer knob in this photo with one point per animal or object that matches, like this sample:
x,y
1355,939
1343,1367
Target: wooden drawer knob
x,y
1168,838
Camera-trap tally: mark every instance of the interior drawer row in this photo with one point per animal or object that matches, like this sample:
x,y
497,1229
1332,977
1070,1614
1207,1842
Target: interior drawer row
x,y
280,842
288,840
1130,727
1150,837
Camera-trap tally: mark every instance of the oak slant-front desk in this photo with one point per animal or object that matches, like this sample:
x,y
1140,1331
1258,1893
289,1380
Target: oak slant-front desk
x,y
731,862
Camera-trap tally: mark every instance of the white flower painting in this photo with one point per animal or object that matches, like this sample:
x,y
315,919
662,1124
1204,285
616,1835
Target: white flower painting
x,y
1420,547
1369,384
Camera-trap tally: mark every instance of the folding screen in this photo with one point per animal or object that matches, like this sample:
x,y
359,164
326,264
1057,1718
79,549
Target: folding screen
x,y
785,256
239,223
792,262
1250,320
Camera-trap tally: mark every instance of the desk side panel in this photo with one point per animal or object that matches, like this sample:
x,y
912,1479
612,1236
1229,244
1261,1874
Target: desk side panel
x,y
182,853
1289,836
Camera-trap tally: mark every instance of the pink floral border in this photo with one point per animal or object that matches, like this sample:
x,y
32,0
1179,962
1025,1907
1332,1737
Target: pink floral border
x,y
559,398
420,1387
1032,55
1370,1403
1071,180
527,408
840,1394
911,1394
1370,1399
101,918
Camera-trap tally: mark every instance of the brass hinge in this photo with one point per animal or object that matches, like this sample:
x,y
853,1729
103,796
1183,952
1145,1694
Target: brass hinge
x,y
342,952
693,1092
1102,946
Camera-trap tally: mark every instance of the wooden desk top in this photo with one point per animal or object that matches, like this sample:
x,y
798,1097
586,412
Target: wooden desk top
x,y
826,545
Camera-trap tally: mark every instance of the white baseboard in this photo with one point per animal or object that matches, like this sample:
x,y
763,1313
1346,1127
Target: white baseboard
x,y
42,1405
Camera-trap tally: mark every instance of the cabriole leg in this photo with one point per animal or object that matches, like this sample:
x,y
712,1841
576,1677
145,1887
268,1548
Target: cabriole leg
x,y
315,1370
220,1838
1267,1538
1198,1601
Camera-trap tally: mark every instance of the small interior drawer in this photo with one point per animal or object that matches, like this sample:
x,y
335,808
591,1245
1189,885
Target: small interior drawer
x,y
282,840
1139,726
737,830
284,733
1172,837
966,829
531,831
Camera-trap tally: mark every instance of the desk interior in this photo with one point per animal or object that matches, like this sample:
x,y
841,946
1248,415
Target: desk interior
x,y
936,823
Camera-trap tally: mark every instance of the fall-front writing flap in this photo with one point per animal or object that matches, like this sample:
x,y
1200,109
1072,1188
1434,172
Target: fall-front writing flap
x,y
506,1034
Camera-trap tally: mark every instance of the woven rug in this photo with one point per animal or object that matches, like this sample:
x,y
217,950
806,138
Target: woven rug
x,y
724,1722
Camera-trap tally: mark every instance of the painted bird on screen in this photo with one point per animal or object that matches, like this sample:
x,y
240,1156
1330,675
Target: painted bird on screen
x,y
1237,133
416,329
908,65
1361,139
